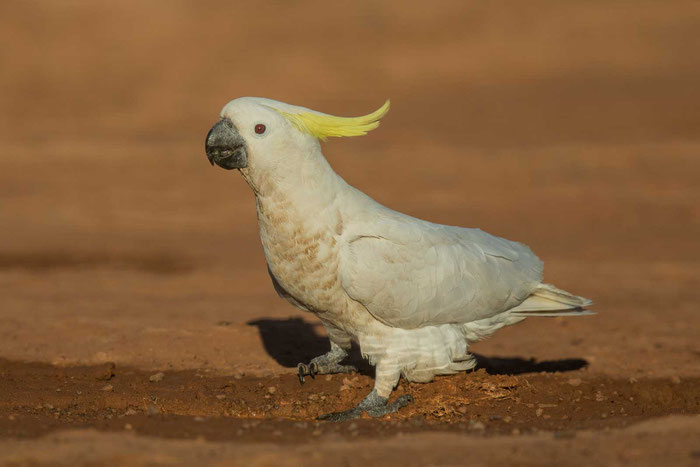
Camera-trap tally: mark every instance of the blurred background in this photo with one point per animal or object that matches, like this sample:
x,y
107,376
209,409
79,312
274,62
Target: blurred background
x,y
570,126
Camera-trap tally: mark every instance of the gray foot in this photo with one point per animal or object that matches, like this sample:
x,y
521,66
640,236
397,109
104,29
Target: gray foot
x,y
374,404
326,364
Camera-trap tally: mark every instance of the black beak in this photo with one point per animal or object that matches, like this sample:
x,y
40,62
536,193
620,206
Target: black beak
x,y
225,146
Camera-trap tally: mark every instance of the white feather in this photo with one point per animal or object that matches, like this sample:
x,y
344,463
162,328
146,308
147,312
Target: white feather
x,y
410,292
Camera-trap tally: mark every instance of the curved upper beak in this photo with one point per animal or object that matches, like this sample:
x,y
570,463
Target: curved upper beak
x,y
225,147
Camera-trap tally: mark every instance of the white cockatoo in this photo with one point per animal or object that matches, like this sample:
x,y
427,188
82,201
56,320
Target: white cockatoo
x,y
411,294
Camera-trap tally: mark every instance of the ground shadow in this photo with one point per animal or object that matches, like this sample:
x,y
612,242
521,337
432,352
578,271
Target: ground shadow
x,y
517,365
291,341
42,261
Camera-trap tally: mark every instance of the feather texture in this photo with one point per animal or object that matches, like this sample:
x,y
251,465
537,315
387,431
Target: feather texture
x,y
548,300
410,273
322,126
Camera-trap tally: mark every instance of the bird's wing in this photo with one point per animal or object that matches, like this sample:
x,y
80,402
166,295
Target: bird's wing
x,y
410,273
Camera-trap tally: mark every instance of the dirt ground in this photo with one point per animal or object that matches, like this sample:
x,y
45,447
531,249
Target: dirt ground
x,y
138,324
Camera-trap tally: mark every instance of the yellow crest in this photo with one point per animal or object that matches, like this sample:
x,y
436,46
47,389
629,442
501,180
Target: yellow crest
x,y
323,126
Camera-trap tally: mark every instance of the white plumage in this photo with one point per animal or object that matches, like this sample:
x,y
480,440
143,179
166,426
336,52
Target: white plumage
x,y
411,293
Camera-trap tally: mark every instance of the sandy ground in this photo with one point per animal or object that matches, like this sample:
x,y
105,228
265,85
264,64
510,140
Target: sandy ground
x,y
571,127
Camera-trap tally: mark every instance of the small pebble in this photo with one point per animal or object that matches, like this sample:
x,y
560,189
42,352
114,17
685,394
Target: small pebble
x,y
575,381
538,412
108,388
156,377
272,389
105,372
477,425
221,396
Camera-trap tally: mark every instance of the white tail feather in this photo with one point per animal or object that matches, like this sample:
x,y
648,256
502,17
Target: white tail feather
x,y
548,300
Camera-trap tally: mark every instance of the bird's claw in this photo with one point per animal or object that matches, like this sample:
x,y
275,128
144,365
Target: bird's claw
x,y
303,369
378,410
314,368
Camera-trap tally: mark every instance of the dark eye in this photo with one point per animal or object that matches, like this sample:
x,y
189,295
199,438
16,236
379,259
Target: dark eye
x,y
260,128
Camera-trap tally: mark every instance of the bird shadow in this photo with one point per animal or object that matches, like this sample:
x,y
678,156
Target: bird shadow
x,y
518,365
291,341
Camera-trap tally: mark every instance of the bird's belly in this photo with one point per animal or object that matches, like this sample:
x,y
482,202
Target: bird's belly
x,y
282,292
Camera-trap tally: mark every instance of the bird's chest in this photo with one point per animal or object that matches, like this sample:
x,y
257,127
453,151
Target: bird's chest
x,y
301,254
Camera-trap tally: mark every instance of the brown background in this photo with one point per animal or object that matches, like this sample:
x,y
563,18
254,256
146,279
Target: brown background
x,y
569,126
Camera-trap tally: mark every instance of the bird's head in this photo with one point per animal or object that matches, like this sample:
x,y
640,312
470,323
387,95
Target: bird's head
x,y
263,134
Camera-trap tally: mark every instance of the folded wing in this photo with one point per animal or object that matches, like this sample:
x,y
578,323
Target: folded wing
x,y
410,273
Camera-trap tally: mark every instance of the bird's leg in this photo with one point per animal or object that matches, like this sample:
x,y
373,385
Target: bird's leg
x,y
327,363
375,403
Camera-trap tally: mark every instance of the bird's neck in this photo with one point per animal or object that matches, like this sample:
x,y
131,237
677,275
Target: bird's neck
x,y
304,185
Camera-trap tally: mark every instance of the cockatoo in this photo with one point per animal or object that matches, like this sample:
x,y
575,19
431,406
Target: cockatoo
x,y
412,294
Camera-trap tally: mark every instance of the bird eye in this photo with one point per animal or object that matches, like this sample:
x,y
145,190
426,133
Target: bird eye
x,y
260,128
